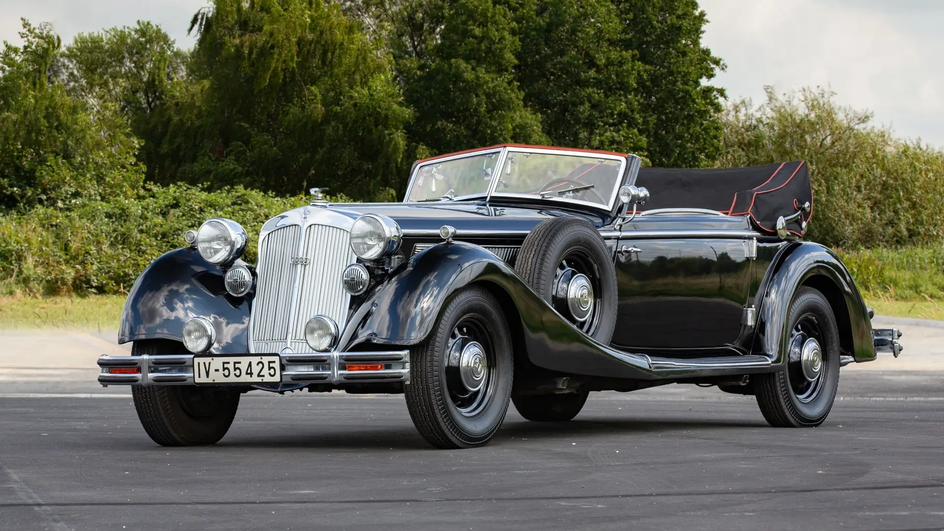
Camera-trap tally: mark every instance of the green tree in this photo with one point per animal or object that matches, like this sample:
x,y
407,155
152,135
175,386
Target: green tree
x,y
455,61
287,94
679,109
576,73
139,70
54,148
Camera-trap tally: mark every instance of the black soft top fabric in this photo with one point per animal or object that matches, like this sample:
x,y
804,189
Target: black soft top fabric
x,y
762,192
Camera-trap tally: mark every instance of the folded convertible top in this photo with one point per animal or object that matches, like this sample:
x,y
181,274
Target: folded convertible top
x,y
765,193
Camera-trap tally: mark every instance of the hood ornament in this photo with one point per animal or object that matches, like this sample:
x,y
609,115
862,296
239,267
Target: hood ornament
x,y
317,196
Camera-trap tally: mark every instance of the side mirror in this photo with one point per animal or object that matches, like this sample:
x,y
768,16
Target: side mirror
x,y
632,195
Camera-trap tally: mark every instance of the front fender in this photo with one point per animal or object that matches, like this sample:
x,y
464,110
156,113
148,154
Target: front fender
x,y
180,285
404,310
795,265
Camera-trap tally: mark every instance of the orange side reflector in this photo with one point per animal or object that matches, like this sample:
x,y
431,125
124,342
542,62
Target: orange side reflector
x,y
365,366
124,370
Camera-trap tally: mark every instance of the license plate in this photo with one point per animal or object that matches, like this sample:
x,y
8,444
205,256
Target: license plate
x,y
237,369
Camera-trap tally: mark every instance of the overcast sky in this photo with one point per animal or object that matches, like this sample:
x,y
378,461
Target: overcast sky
x,y
884,55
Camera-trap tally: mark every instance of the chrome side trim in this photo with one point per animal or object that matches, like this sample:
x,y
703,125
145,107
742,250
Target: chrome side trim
x,y
695,233
662,211
320,367
663,365
434,233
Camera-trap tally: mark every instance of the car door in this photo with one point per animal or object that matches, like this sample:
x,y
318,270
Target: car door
x,y
683,282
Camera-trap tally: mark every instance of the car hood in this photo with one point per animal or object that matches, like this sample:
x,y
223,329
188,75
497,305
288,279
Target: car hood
x,y
425,217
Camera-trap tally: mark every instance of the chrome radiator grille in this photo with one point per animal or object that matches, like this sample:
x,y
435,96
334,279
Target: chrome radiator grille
x,y
288,295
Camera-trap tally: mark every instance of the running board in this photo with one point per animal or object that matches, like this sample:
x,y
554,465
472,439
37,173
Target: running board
x,y
716,366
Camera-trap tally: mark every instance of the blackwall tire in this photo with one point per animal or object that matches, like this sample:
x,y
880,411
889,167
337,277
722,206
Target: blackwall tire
x,y
182,415
574,243
444,408
550,408
788,398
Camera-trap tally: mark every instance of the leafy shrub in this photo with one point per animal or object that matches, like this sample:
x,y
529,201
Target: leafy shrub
x,y
102,246
907,273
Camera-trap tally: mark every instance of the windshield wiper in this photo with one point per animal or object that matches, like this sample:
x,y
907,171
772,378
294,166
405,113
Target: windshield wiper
x,y
449,196
561,193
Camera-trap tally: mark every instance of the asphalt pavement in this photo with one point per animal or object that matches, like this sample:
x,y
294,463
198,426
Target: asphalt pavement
x,y
74,457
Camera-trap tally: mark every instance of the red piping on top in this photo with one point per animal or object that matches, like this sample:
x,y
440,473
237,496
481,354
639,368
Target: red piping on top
x,y
774,174
599,152
797,170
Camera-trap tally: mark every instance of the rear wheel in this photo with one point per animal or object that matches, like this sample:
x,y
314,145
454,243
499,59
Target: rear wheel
x,y
182,415
550,408
803,392
461,377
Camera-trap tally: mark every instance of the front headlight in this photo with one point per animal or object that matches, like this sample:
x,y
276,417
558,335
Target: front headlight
x,y
373,237
221,241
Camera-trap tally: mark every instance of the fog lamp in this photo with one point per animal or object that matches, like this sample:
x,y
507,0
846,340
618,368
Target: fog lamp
x,y
321,333
199,335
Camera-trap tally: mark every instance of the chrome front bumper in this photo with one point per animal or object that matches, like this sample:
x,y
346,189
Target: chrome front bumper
x,y
317,367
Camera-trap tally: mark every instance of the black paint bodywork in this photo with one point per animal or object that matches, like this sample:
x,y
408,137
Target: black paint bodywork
x,y
681,297
180,285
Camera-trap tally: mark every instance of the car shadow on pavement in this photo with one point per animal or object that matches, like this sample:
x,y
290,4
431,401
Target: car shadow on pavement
x,y
406,438
622,426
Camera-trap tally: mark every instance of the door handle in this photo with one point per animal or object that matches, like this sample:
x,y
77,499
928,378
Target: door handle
x,y
628,249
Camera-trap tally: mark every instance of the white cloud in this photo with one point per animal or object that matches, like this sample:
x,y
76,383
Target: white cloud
x,y
874,55
70,17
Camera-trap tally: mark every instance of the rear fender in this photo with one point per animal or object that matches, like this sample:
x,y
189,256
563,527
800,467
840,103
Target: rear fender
x,y
404,310
180,285
810,263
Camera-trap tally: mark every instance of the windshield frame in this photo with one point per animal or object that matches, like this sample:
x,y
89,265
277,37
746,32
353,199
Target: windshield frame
x,y
503,152
492,192
462,155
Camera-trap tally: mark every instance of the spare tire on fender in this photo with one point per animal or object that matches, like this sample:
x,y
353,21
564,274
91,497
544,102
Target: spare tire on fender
x,y
566,262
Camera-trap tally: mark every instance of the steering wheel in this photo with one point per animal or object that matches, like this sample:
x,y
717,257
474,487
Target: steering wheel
x,y
551,184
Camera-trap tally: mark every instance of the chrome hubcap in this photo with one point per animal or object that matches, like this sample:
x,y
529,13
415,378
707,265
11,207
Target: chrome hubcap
x,y
807,362
575,291
811,360
473,366
580,297
470,368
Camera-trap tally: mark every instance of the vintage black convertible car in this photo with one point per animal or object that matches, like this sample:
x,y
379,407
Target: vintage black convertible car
x,y
521,273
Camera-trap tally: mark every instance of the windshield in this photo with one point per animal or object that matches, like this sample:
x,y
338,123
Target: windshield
x,y
548,175
453,178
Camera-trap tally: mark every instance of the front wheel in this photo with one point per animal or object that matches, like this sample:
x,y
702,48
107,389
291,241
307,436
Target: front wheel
x,y
182,416
461,377
803,392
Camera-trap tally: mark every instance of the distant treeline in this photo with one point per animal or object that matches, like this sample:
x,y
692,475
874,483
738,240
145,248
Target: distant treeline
x,y
113,144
